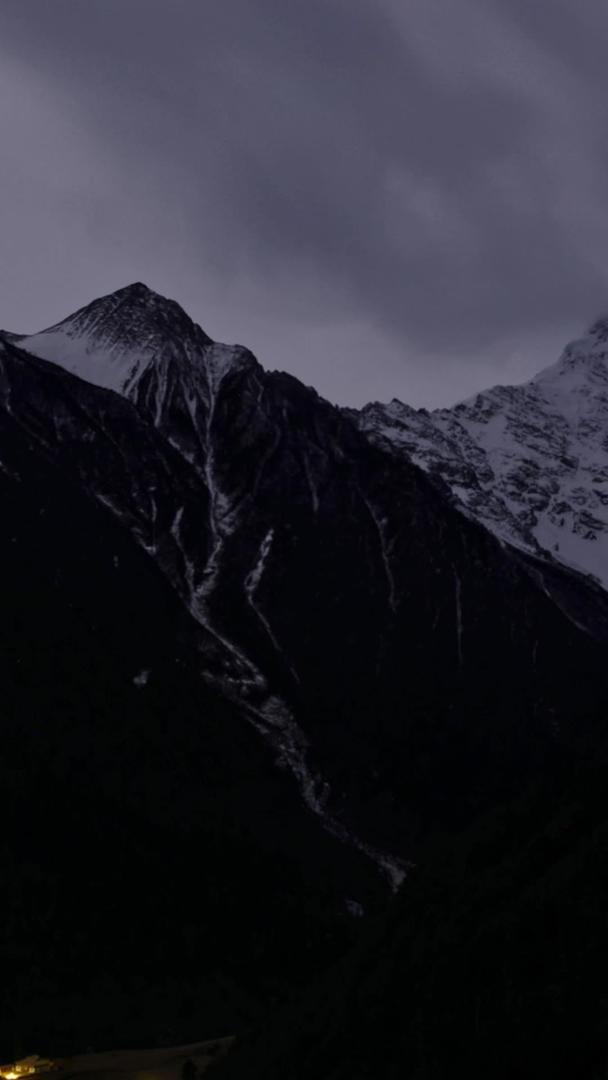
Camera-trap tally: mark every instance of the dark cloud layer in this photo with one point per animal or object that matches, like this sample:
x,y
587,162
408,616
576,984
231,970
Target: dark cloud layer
x,y
387,197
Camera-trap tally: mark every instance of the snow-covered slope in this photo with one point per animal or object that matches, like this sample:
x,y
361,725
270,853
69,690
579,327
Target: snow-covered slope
x,y
114,340
530,462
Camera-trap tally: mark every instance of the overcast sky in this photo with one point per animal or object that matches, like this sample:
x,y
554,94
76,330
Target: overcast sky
x,y
386,197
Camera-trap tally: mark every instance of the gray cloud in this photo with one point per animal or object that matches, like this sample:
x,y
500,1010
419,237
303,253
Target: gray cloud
x,y
387,197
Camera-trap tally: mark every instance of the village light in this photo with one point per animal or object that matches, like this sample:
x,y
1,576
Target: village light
x,y
28,1066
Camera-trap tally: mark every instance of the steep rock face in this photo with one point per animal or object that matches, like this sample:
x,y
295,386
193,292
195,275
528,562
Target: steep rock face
x,y
530,462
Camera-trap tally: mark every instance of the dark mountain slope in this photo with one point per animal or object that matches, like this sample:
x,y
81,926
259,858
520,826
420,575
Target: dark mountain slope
x,y
160,879
448,660
492,962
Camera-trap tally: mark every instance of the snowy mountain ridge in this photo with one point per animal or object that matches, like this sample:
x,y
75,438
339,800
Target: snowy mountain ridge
x,y
530,462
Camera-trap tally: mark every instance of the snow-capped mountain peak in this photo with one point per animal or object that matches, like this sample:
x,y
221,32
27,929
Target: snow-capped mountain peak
x,y
115,339
582,367
530,462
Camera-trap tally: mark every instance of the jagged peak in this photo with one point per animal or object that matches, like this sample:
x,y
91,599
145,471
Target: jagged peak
x,y
110,341
135,301
584,361
137,288
599,328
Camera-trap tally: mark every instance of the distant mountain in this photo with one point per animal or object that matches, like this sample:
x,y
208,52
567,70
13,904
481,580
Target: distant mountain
x,y
530,462
364,664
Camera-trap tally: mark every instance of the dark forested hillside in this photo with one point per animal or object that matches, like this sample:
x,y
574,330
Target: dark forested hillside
x,y
150,890
492,962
